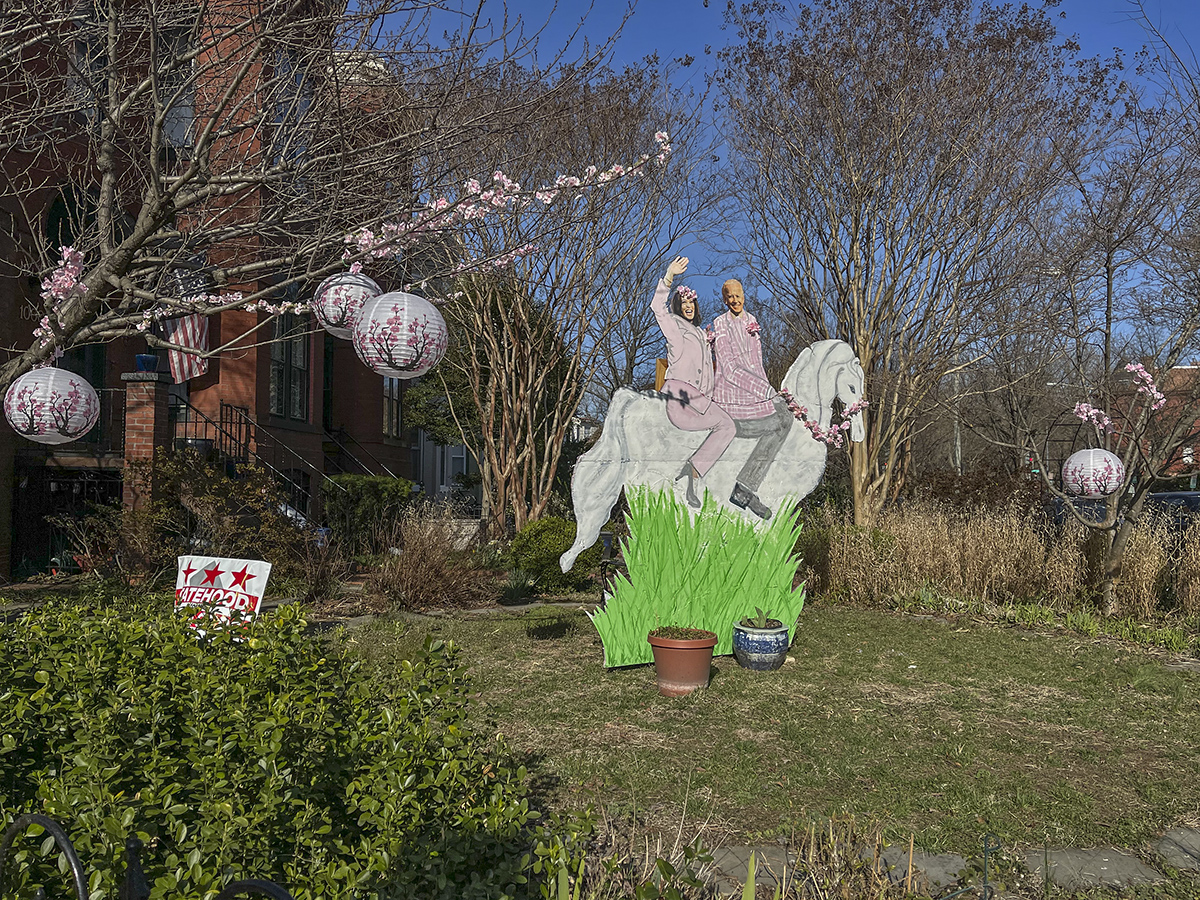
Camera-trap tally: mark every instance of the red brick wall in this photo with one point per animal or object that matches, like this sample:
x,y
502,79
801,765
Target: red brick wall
x,y
145,428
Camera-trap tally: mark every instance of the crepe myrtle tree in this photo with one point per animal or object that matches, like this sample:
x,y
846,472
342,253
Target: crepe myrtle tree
x,y
888,157
166,157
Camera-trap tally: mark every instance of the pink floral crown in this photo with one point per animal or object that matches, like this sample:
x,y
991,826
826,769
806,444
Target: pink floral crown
x,y
686,293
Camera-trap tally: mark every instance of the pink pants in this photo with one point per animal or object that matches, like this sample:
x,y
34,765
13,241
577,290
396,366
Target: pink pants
x,y
684,402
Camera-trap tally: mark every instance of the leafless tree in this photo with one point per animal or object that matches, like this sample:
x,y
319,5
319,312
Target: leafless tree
x,y
889,157
1126,263
212,155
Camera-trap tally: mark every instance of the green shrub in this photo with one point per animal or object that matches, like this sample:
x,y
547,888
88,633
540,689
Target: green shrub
x,y
363,507
536,550
275,757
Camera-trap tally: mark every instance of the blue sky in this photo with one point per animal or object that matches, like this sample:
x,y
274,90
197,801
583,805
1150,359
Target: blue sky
x,y
673,28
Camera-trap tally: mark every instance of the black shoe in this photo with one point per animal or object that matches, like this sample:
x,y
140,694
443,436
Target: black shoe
x,y
690,471
744,498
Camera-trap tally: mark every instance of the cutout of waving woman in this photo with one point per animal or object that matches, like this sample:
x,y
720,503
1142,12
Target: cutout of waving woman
x,y
689,380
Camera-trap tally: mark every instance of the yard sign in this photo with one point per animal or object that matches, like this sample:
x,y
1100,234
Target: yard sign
x,y
225,589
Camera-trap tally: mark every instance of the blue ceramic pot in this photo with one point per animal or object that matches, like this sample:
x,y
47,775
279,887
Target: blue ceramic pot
x,y
760,649
146,362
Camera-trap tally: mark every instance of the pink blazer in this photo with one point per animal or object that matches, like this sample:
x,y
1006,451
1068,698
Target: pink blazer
x,y
689,358
741,388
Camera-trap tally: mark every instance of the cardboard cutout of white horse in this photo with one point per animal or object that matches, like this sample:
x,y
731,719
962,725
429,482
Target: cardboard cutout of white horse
x,y
639,446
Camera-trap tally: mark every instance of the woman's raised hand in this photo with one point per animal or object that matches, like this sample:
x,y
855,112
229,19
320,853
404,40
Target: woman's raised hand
x,y
677,266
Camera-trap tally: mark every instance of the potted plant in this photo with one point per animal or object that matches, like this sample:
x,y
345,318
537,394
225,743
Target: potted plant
x,y
682,658
760,642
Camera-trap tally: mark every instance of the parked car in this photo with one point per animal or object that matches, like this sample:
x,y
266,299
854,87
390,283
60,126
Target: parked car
x,y
1090,510
1178,507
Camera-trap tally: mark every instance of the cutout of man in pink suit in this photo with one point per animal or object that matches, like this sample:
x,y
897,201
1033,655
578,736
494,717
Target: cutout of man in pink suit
x,y
743,391
688,385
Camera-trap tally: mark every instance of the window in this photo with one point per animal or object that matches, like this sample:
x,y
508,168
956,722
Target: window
x,y
392,419
290,368
177,89
452,467
86,70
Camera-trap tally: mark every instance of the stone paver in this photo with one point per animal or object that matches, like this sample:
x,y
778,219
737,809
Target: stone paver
x,y
730,865
1100,866
1180,847
940,869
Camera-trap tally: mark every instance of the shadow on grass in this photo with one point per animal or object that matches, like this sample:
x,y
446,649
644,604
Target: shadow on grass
x,y
551,629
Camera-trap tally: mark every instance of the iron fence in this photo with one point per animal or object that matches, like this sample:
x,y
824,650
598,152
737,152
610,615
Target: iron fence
x,y
133,885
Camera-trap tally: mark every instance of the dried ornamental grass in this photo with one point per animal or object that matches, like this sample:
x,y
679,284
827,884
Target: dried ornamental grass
x,y
1145,568
1187,573
422,569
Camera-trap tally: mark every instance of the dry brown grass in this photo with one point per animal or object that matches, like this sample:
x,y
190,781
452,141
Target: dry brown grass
x,y
1187,574
1145,571
423,570
994,556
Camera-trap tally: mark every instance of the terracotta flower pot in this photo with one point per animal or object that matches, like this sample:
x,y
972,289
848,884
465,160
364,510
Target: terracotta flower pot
x,y
682,664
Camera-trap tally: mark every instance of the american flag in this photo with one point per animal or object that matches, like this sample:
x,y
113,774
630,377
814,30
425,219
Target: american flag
x,y
187,331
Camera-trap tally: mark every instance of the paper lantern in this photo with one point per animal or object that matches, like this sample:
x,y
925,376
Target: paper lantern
x,y
1092,473
339,301
400,335
51,406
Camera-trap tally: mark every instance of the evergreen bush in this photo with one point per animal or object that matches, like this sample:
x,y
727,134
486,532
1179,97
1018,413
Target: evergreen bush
x,y
275,757
536,550
361,507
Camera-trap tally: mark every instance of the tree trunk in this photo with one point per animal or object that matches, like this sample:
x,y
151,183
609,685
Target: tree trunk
x,y
1114,559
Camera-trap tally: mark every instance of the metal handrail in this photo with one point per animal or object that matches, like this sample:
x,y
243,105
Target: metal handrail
x,y
221,430
254,429
134,885
333,437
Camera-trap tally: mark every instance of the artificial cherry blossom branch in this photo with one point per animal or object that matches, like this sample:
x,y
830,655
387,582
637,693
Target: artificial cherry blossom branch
x,y
835,435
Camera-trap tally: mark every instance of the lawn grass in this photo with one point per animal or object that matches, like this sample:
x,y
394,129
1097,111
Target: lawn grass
x,y
942,729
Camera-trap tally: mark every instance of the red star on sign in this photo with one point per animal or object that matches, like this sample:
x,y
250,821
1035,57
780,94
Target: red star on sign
x,y
240,578
187,572
210,575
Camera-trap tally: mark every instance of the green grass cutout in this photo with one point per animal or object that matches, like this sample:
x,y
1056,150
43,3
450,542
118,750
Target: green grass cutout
x,y
706,571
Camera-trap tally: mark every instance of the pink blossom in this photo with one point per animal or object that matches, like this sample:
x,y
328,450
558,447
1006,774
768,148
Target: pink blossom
x,y
752,329
1146,385
835,435
1099,419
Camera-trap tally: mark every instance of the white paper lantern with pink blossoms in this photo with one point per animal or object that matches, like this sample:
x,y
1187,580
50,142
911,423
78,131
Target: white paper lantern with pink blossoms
x,y
339,300
1092,473
400,335
51,406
